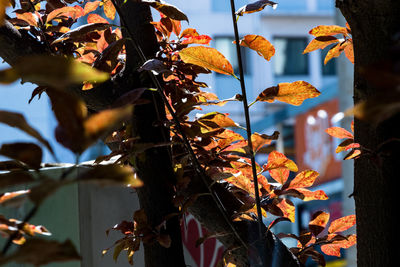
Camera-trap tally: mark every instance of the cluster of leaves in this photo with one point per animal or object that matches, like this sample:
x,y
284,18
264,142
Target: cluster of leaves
x,y
324,36
329,238
348,142
92,53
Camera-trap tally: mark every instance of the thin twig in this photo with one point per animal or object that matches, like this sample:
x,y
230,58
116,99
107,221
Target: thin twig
x,y
198,168
247,117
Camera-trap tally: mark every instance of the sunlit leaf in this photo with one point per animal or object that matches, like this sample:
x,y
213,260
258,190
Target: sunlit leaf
x,y
320,43
287,208
309,195
73,12
292,93
41,252
198,39
318,222
18,121
189,32
13,199
339,132
333,249
335,51
342,224
90,7
95,18
279,166
259,44
216,120
324,30
28,153
260,140
168,10
255,6
109,9
304,179
349,51
208,58
30,18
343,145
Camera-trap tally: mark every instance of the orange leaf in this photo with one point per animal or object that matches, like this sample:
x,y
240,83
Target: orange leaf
x,y
310,195
324,30
318,222
168,10
259,44
342,224
320,43
199,39
73,12
94,18
90,7
109,9
3,5
292,93
30,18
339,132
260,140
279,166
335,51
343,145
333,249
189,32
287,208
216,120
304,179
348,50
208,58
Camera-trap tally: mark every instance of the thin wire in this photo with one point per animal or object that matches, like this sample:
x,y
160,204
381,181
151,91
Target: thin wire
x,y
195,162
247,117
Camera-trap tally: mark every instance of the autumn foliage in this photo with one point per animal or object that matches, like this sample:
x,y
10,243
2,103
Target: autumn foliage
x,y
94,52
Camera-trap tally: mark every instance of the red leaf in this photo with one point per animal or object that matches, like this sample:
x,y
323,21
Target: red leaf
x,y
342,224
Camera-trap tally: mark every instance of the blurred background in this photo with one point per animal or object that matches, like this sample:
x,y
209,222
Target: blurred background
x,y
302,128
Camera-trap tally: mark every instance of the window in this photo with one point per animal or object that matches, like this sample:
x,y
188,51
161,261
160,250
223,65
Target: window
x,y
226,46
289,58
330,67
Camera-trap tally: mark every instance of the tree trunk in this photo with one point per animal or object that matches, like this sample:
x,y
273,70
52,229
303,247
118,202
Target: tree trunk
x,y
374,25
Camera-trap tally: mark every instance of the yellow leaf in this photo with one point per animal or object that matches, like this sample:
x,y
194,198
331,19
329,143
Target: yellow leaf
x,y
292,93
259,44
208,58
109,9
325,30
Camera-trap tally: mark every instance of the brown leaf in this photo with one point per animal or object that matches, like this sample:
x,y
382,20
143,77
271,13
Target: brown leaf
x,y
255,7
40,252
208,58
111,174
168,10
18,121
292,93
15,178
259,44
28,153
80,32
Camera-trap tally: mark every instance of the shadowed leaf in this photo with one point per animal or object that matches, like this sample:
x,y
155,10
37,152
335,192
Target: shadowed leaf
x,y
18,121
168,10
15,178
28,153
40,252
81,31
255,6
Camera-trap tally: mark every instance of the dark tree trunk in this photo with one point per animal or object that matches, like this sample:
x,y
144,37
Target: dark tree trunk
x,y
374,25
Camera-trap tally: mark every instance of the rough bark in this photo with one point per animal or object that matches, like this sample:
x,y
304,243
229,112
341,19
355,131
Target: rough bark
x,y
154,166
374,25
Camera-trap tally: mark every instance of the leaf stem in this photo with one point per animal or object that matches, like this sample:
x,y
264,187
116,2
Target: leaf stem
x,y
252,103
248,124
